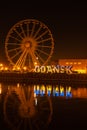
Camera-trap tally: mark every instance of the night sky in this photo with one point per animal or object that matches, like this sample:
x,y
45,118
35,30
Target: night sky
x,y
66,20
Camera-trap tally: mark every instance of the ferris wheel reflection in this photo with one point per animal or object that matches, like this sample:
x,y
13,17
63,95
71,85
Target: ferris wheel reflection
x,y
23,109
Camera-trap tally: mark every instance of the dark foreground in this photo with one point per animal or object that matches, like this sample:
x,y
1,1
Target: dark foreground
x,y
69,114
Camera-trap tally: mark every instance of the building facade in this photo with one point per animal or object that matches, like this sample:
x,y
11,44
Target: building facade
x,y
78,65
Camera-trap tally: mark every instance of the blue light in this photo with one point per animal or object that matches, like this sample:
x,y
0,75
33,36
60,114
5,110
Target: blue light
x,y
57,94
37,92
49,93
61,93
42,92
68,94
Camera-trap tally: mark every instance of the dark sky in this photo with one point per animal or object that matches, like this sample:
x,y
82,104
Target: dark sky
x,y
66,20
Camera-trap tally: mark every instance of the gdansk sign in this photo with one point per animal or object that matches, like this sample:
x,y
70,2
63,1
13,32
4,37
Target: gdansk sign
x,y
53,69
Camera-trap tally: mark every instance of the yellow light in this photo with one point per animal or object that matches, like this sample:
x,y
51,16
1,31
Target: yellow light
x,y
18,68
37,87
35,63
81,70
1,65
68,89
75,63
34,95
49,88
0,90
57,89
79,63
2,68
43,87
25,68
61,89
6,68
18,85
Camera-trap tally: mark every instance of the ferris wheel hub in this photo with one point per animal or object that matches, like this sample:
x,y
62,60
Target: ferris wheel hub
x,y
28,44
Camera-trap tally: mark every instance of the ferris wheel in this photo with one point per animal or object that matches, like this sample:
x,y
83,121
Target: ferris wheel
x,y
29,43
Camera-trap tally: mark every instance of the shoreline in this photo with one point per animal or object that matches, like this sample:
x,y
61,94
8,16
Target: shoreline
x,y
43,78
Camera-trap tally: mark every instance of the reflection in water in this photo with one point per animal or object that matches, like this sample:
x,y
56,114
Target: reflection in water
x,y
60,91
30,106
24,110
50,90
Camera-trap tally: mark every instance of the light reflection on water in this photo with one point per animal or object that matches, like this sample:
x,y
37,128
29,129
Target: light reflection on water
x,y
30,107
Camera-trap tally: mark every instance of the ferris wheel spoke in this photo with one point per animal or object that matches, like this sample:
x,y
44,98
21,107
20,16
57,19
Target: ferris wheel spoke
x,y
24,60
36,59
18,33
44,33
29,60
15,38
28,29
44,46
23,30
32,31
33,58
43,52
16,54
40,57
21,61
20,58
45,40
37,32
13,43
15,49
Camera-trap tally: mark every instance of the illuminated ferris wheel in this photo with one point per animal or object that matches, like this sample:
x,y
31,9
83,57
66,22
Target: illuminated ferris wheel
x,y
29,43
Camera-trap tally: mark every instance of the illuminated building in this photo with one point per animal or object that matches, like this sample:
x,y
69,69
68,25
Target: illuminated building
x,y
78,65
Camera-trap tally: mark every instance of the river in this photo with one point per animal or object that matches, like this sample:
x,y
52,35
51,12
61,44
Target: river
x,y
42,107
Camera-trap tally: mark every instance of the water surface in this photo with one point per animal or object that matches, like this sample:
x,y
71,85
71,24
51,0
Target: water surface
x,y
42,107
